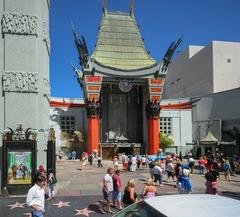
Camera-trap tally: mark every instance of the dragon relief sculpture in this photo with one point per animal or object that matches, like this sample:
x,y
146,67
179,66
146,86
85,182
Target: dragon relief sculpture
x,y
153,109
93,108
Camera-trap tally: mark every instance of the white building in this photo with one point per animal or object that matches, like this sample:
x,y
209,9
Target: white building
x,y
70,115
67,115
200,70
177,123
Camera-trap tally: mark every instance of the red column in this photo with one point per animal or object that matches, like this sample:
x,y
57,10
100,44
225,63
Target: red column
x,y
93,133
153,135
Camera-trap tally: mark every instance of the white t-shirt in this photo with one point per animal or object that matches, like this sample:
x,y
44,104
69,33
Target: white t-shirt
x,y
108,179
134,160
157,170
36,196
169,167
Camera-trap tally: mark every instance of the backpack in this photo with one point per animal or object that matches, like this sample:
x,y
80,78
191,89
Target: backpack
x,y
226,167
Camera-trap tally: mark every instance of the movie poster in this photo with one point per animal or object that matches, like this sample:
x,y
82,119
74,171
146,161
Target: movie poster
x,y
19,167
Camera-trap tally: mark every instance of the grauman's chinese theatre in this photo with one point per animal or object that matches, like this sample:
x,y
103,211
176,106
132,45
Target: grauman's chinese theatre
x,y
122,86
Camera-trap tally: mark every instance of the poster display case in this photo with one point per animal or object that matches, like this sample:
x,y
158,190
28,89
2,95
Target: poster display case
x,y
19,164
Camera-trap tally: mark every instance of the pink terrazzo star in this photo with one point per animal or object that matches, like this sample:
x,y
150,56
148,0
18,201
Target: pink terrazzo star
x,y
61,204
16,205
28,214
83,212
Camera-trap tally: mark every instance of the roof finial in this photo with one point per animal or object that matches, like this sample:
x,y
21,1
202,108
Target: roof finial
x,y
131,6
104,6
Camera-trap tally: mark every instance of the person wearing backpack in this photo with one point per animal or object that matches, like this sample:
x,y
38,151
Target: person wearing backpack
x,y
227,170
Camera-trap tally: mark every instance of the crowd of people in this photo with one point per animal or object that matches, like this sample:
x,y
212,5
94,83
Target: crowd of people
x,y
171,168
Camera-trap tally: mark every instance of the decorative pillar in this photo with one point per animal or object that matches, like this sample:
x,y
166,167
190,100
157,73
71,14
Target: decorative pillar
x,y
155,86
93,112
92,88
153,110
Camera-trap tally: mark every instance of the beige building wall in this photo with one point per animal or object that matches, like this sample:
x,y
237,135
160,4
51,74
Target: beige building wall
x,y
199,70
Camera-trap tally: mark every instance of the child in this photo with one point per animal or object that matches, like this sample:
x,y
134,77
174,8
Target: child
x,y
211,183
51,184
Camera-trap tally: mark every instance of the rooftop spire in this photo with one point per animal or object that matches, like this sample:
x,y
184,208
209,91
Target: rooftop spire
x,y
131,6
104,6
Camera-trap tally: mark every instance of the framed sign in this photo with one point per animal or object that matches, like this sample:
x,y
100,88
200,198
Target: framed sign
x,y
19,167
19,163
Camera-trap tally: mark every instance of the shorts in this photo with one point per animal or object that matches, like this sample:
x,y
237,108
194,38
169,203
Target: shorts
x,y
117,195
170,174
107,196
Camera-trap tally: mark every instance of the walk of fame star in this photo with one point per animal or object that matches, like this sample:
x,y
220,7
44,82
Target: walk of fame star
x,y
16,205
83,211
61,204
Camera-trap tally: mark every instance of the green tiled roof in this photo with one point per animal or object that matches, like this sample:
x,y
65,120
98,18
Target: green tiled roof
x,y
119,43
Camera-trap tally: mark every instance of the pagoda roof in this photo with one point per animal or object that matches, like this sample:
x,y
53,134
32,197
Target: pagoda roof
x,y
120,45
209,139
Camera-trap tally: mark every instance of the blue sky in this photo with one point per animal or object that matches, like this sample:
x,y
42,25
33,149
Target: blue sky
x,y
161,22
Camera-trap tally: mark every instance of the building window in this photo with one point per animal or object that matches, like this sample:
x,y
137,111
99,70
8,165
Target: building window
x,y
68,124
166,125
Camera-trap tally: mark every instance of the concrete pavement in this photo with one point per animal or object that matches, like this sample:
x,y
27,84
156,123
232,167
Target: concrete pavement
x,y
79,191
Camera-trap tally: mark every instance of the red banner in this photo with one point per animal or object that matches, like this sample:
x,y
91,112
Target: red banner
x,y
155,90
93,79
155,98
93,88
156,82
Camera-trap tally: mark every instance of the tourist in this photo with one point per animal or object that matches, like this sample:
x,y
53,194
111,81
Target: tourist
x,y
157,173
138,162
215,167
117,189
149,190
227,170
177,169
35,197
183,183
125,161
115,162
144,161
191,162
90,159
60,155
170,170
84,161
99,159
201,165
130,195
74,154
40,172
108,189
51,184
134,163
151,165
211,183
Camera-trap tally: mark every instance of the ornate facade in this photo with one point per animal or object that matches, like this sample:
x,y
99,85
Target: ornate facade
x,y
125,81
